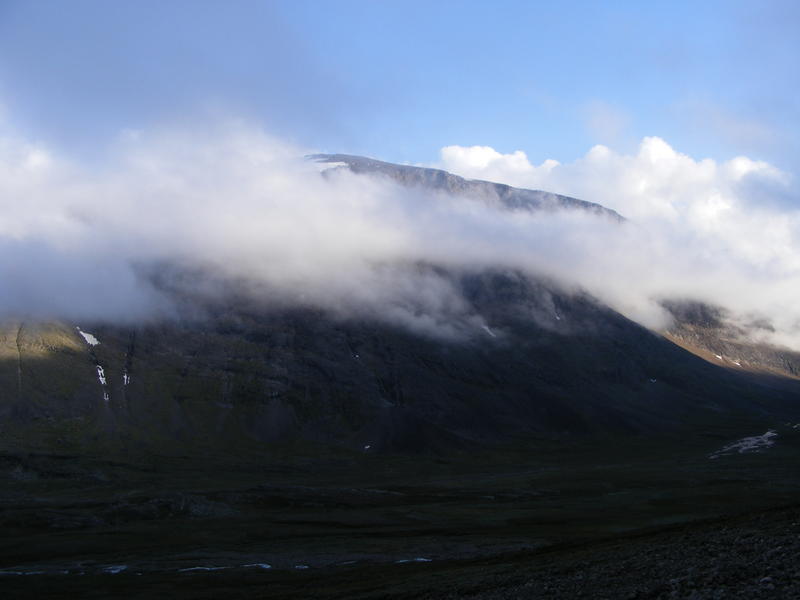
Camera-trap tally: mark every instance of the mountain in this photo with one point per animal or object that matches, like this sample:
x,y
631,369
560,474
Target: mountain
x,y
712,333
548,363
234,370
287,450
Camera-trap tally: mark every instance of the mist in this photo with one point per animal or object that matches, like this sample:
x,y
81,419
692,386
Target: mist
x,y
82,241
722,232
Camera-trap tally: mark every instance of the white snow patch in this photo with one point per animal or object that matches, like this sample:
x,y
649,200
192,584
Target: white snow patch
x,y
201,569
90,339
718,356
101,375
755,443
126,379
258,566
557,317
368,446
106,397
653,380
489,331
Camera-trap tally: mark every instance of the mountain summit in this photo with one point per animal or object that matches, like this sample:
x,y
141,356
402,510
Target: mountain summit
x,y
494,194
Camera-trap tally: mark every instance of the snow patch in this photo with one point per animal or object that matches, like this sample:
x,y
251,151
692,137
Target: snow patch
x,y
489,331
755,443
187,569
301,567
101,375
90,339
257,566
126,379
718,356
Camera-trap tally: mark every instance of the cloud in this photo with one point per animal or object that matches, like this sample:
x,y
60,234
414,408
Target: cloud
x,y
724,232
228,208
235,205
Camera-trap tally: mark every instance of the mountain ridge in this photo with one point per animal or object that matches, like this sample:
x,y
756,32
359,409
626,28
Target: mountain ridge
x,y
437,179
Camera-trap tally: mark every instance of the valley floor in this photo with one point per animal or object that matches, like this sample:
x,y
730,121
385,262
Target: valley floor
x,y
754,555
641,517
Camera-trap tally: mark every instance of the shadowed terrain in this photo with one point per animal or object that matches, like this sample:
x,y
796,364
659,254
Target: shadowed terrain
x,y
293,454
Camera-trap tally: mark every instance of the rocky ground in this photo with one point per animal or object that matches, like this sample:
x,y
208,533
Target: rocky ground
x,y
751,556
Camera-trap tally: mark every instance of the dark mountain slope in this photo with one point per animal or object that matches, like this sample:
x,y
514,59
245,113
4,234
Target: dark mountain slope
x,y
547,364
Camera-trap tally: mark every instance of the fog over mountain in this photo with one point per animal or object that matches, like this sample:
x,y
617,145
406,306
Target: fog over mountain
x,y
249,212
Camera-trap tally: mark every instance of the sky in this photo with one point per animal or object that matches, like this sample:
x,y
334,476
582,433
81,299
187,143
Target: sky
x,y
143,138
400,80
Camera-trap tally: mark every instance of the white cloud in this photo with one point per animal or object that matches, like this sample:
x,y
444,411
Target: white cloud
x,y
76,239
720,231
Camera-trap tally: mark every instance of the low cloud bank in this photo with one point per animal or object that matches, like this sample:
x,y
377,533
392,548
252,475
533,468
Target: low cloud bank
x,y
81,241
727,233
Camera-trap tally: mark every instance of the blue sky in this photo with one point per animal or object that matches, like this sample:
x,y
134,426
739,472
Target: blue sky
x,y
400,80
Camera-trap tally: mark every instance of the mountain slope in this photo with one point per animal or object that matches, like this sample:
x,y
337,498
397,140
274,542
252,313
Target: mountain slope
x,y
528,358
709,332
548,363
